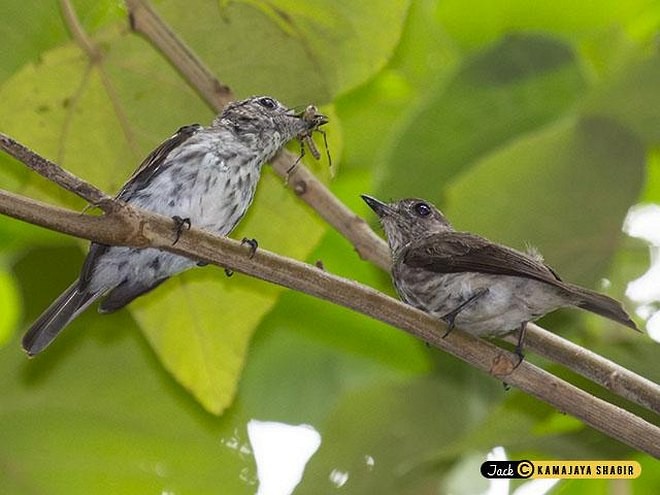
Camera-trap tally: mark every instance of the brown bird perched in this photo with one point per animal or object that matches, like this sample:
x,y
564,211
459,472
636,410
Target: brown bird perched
x,y
465,280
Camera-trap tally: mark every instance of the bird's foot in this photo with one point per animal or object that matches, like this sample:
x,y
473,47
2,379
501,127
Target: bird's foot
x,y
450,320
253,249
180,224
253,245
522,331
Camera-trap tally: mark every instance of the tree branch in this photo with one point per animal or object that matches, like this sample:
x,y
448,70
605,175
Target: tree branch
x,y
134,227
143,19
369,246
111,227
57,174
598,369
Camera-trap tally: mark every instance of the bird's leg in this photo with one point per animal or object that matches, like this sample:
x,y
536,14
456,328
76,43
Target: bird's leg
x,y
450,318
179,225
522,331
253,245
253,249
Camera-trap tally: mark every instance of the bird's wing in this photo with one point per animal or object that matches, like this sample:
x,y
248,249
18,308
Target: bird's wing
x,y
151,165
154,163
453,252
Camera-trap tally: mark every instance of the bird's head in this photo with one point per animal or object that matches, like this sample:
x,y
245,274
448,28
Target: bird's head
x,y
407,220
264,114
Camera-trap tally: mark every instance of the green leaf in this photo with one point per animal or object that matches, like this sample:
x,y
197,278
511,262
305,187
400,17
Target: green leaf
x,y
372,112
490,20
262,47
38,29
514,87
631,98
98,121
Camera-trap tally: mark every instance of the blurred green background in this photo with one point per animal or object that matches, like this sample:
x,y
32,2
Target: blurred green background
x,y
528,123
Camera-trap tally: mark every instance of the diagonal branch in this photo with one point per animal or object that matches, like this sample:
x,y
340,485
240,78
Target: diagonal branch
x,y
140,228
600,370
56,174
145,20
369,246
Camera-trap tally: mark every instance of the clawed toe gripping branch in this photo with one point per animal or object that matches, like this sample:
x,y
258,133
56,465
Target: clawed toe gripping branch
x,y
121,224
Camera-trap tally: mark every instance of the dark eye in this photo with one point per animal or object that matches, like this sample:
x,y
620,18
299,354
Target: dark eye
x,y
422,209
268,103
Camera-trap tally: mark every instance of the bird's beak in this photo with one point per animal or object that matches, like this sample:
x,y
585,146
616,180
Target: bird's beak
x,y
381,209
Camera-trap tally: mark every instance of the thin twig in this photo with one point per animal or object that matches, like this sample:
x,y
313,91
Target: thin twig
x,y
611,376
95,57
368,245
77,31
131,226
56,174
303,183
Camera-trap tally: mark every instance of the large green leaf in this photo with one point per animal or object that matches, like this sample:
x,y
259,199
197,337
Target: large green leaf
x,y
99,121
327,48
489,20
372,112
514,87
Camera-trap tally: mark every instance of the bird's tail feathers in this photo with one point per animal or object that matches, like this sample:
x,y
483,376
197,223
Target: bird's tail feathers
x,y
602,305
65,308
